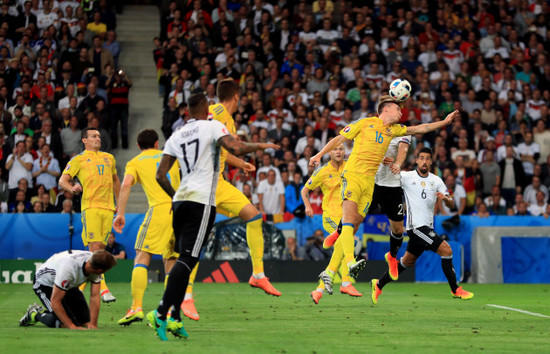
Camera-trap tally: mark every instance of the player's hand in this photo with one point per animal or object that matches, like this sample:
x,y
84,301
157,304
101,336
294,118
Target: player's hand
x,y
441,196
395,169
90,326
118,223
449,119
248,168
264,146
309,211
387,161
314,161
77,188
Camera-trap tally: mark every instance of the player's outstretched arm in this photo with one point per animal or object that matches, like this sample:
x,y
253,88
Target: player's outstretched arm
x,y
122,200
331,145
430,127
239,163
165,164
237,147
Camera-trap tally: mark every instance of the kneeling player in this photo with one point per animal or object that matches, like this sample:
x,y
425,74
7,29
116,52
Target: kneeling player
x,y
56,284
422,190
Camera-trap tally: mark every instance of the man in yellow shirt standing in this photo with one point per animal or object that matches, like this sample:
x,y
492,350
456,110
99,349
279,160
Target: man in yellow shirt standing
x,y
98,181
327,178
371,137
155,235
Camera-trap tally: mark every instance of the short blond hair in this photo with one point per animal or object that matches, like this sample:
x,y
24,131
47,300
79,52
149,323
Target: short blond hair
x,y
383,101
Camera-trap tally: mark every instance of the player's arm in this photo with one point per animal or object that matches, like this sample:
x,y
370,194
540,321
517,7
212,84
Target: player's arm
x,y
331,145
95,301
122,200
237,147
239,163
58,295
402,150
430,127
447,199
116,187
165,164
305,197
65,182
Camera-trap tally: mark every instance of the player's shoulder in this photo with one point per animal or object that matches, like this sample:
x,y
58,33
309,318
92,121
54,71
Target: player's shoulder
x,y
105,154
434,177
319,171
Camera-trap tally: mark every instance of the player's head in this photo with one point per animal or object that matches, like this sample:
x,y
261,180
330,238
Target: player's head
x,y
229,93
387,106
338,154
198,106
148,139
91,138
101,261
424,160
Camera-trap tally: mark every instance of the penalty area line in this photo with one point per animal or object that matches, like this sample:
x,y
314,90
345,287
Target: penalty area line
x,y
519,310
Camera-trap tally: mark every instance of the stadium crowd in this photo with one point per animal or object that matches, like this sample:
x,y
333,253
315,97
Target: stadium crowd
x,y
307,69
58,74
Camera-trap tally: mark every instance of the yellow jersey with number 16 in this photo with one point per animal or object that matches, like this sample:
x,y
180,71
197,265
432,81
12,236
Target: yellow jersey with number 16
x,y
371,139
95,171
220,113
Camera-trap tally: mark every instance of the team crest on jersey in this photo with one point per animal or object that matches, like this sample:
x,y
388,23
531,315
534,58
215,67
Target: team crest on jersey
x,y
388,131
423,184
89,160
348,194
106,160
431,184
65,284
225,131
91,235
210,116
431,234
347,129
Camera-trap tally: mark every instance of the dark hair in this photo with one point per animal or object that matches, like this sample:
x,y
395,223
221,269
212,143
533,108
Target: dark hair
x,y
102,260
384,101
146,139
425,150
227,89
196,102
84,133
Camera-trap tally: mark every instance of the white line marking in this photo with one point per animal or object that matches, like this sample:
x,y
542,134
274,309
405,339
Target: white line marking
x,y
519,310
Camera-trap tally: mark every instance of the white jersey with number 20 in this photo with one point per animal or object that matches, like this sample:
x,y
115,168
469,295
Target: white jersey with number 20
x,y
195,145
385,177
420,196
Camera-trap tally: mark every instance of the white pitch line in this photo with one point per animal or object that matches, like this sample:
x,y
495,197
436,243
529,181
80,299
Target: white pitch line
x,y
519,310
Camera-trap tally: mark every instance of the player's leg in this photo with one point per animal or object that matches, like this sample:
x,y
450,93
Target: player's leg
x,y
105,219
326,276
75,305
138,285
392,206
36,313
188,304
446,253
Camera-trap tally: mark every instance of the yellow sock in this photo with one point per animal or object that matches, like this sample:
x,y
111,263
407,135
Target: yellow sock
x,y
192,276
346,238
83,286
255,240
103,285
138,285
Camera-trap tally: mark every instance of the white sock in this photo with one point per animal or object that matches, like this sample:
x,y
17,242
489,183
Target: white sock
x,y
188,296
259,275
346,283
319,290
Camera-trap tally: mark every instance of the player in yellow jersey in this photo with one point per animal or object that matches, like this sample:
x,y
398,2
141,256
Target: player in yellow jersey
x,y
371,137
154,235
232,202
327,178
99,184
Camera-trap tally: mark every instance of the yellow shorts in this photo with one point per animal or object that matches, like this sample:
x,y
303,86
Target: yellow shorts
x,y
358,189
96,225
169,250
156,229
330,224
229,200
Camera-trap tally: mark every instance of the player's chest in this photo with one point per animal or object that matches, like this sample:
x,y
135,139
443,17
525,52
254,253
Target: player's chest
x,y
377,138
331,181
96,166
422,189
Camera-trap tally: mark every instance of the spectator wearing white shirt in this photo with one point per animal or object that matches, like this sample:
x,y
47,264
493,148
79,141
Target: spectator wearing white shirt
x,y
46,17
463,150
271,195
306,140
46,169
529,152
459,196
539,208
501,150
326,35
534,105
498,48
19,163
453,57
530,192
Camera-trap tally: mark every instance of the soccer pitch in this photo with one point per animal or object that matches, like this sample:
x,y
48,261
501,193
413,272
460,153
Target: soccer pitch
x,y
238,319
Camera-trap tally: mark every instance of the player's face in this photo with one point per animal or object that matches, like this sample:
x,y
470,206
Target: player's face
x,y
93,141
395,112
338,154
424,162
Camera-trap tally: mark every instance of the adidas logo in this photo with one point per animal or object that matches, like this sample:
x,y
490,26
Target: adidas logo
x,y
224,274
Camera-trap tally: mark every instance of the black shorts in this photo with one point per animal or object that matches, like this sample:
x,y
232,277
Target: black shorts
x,y
422,239
389,201
192,225
74,303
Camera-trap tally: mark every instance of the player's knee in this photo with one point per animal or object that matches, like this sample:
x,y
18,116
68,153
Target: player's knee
x,y
397,229
445,250
407,260
188,260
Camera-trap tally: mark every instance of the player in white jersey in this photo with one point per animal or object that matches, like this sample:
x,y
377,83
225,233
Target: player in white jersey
x,y
196,145
388,196
422,190
56,283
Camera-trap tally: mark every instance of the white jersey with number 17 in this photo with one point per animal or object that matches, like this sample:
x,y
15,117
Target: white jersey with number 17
x,y
195,145
420,196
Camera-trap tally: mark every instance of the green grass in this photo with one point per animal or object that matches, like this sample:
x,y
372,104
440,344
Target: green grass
x,y
238,319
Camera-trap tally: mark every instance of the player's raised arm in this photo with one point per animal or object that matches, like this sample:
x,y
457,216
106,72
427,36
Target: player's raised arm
x,y
239,163
331,145
122,200
165,165
239,148
430,127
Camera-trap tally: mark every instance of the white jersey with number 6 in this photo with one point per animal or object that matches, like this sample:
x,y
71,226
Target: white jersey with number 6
x,y
420,196
384,176
195,145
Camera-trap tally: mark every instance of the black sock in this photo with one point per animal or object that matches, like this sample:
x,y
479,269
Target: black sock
x,y
175,313
386,277
447,265
48,319
395,243
175,288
